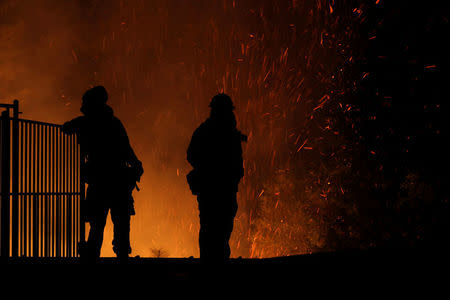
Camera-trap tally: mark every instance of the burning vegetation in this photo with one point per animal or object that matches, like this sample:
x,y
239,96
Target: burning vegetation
x,y
321,87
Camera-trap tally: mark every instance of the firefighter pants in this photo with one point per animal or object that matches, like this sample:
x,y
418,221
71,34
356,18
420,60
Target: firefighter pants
x,y
217,212
98,213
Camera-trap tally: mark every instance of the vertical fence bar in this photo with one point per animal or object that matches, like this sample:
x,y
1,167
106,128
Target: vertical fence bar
x,y
21,185
57,207
77,199
36,179
5,184
63,189
15,181
46,168
69,226
25,190
58,226
25,183
53,188
33,189
30,185
72,235
35,225
3,210
49,196
42,190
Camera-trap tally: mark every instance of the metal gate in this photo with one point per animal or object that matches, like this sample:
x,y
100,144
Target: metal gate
x,y
41,191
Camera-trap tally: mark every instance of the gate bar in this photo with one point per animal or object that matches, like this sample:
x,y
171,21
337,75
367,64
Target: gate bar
x,y
5,183
15,181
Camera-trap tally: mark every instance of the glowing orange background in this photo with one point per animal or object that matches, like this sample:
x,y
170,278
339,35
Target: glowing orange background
x,y
161,62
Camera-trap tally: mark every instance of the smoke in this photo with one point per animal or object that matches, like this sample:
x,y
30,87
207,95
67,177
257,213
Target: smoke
x,y
161,62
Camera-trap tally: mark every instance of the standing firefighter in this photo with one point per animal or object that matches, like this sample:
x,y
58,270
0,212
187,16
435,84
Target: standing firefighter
x,y
215,153
111,170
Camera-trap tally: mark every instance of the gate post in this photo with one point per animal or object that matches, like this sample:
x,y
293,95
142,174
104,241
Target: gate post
x,y
5,183
15,181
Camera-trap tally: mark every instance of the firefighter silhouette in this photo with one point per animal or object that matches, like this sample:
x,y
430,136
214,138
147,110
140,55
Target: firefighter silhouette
x,y
110,168
215,153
